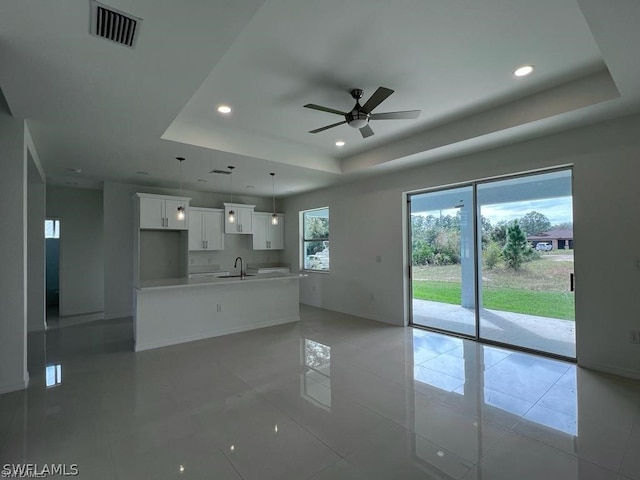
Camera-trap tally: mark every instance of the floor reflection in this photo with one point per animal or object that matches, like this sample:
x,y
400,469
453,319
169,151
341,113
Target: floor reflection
x,y
315,381
487,389
53,375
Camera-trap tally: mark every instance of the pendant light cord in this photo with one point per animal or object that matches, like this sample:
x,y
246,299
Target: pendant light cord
x,y
273,190
180,160
231,174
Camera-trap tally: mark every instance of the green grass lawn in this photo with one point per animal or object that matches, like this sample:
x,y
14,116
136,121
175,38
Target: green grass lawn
x,y
518,300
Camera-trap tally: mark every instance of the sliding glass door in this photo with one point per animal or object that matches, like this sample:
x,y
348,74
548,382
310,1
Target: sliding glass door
x,y
525,279
494,260
443,260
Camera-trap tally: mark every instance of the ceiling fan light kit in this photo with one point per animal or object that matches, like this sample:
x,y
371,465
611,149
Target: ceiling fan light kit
x,y
360,115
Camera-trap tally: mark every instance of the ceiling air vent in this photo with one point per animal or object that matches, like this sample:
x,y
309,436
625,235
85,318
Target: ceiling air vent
x,y
114,25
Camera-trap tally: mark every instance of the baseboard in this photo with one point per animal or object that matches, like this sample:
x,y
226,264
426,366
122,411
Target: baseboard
x,y
14,387
621,372
356,314
219,333
39,329
113,316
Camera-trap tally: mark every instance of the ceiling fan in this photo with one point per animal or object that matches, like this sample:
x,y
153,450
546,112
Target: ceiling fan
x,y
360,115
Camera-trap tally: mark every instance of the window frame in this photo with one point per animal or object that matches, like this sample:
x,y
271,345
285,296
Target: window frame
x,y
304,240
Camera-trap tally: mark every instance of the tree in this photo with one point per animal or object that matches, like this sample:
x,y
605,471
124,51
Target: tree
x,y
491,255
534,222
499,233
515,249
562,226
485,229
316,228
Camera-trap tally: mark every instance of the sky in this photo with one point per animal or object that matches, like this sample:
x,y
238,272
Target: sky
x,y
557,210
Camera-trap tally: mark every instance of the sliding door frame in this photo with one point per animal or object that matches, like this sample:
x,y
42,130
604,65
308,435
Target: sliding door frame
x,y
477,257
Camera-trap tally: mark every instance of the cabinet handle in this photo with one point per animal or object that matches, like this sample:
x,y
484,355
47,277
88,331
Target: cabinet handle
x,y
207,243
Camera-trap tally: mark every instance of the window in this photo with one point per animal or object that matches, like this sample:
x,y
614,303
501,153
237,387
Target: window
x,y
52,229
315,239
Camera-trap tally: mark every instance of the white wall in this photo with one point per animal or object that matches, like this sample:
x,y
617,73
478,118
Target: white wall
x,y
367,218
81,248
118,234
13,279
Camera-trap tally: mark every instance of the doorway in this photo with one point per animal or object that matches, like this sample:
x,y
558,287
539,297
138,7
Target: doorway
x,y
493,260
52,245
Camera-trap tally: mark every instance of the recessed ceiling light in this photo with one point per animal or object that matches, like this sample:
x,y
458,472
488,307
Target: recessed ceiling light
x,y
202,180
224,109
523,70
339,143
74,170
142,172
250,187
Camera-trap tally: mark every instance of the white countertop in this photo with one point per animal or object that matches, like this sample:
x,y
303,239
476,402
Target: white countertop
x,y
190,282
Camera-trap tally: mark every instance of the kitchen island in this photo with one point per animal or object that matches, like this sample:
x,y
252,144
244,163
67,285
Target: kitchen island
x,y
177,310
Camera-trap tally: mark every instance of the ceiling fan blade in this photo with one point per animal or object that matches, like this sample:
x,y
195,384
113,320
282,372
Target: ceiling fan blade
x,y
379,96
318,130
366,131
324,109
408,114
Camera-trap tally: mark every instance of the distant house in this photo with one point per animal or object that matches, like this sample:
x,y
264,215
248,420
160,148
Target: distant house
x,y
560,239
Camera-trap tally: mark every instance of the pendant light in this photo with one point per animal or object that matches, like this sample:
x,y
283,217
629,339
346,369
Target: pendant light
x,y
232,214
181,209
274,217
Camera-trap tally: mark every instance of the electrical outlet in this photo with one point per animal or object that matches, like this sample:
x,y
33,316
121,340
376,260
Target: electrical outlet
x,y
634,336
379,259
371,297
219,307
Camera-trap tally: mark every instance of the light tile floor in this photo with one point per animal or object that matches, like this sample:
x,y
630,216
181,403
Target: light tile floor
x,y
330,397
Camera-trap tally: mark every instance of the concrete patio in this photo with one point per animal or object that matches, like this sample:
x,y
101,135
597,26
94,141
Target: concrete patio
x,y
551,335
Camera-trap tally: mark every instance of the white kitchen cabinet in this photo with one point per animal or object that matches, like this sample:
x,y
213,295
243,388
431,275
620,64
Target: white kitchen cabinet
x,y
243,218
160,212
206,229
265,235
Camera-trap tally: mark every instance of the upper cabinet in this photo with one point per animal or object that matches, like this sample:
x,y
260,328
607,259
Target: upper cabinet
x,y
206,229
243,218
160,212
267,236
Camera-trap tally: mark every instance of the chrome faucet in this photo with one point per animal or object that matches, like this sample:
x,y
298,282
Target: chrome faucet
x,y
235,265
